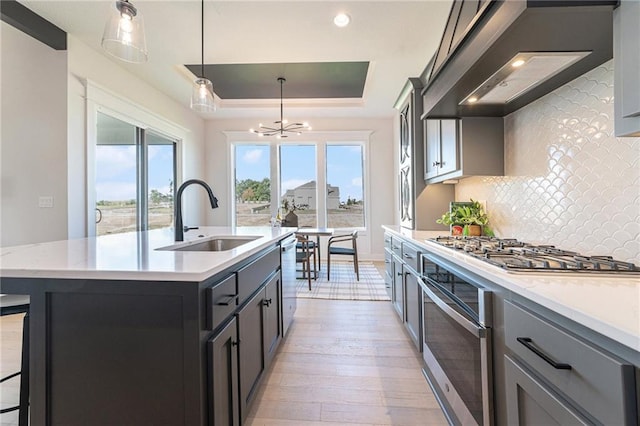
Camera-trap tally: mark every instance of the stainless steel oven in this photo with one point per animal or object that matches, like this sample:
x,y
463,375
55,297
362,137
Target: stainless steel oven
x,y
457,340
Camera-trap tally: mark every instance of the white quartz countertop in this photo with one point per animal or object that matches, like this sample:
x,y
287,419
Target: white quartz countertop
x,y
609,305
134,255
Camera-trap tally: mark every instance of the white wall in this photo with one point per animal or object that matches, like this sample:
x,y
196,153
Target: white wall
x,y
33,144
568,180
381,189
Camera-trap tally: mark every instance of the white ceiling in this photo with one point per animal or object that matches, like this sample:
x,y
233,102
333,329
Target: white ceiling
x,y
397,37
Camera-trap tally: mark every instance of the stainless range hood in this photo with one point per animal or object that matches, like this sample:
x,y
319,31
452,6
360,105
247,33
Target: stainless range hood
x,y
513,52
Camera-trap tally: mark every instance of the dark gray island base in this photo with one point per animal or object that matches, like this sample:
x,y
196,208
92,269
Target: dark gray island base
x,y
106,352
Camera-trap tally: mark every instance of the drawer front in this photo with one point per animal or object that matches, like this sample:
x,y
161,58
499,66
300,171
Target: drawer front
x,y
388,263
411,256
601,384
387,241
222,300
396,246
255,274
388,275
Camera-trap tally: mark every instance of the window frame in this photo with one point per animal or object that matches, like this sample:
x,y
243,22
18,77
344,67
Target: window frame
x,y
365,181
105,101
320,140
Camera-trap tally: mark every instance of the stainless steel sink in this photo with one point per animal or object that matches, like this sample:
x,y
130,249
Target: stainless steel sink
x,y
215,244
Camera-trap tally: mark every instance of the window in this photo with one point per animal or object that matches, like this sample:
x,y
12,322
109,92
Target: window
x,y
295,173
135,175
252,185
298,183
345,190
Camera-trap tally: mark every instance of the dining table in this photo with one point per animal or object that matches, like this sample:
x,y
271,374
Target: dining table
x,y
317,232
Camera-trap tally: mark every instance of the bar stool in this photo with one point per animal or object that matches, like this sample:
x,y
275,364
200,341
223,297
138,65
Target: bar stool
x,y
11,304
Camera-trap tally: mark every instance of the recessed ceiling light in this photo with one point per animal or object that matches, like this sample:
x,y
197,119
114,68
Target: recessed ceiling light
x,y
518,63
342,20
472,99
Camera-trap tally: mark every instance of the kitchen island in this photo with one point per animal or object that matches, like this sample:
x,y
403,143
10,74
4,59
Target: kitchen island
x,y
556,347
137,329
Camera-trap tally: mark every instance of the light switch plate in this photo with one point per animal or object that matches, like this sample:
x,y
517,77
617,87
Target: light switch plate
x,y
45,202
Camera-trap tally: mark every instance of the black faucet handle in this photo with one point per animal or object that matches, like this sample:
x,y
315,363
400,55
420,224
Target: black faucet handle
x,y
186,228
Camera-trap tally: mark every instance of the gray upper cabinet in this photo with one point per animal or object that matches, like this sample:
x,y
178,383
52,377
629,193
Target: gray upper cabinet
x,y
420,205
410,159
626,19
440,148
457,148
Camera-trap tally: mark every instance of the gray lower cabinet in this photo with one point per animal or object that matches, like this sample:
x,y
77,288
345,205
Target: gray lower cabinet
x,y
413,305
106,352
530,402
558,376
398,287
288,270
388,273
224,407
259,335
272,325
401,265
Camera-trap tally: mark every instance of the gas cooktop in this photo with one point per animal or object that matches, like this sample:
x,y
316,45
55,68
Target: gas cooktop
x,y
518,256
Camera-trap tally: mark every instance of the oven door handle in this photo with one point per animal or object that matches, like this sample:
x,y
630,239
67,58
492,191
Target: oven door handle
x,y
477,330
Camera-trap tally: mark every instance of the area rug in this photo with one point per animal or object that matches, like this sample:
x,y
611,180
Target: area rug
x,y
343,284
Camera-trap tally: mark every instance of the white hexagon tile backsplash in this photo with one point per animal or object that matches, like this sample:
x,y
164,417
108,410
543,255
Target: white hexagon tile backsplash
x,y
568,181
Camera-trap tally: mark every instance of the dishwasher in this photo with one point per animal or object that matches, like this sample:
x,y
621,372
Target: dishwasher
x,y
288,270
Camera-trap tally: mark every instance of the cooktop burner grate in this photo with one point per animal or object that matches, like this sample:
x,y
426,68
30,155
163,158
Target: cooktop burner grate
x,y
514,255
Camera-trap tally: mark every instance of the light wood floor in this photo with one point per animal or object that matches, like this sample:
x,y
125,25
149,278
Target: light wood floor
x,y
345,363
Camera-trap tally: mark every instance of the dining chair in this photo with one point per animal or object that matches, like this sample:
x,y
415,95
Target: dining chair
x,y
344,251
304,252
12,305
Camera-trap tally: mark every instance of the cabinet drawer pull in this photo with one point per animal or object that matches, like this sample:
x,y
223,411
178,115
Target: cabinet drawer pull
x,y
528,343
267,302
234,343
396,247
399,274
226,300
436,164
408,256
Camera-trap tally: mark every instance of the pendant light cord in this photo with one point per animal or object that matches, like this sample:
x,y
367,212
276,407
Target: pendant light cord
x,y
202,40
281,109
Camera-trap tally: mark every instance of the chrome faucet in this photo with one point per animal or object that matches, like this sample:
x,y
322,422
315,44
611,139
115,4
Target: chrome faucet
x,y
179,231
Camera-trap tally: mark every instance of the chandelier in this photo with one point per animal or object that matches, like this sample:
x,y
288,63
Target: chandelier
x,y
282,127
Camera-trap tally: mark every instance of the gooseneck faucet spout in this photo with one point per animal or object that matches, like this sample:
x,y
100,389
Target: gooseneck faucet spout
x,y
179,230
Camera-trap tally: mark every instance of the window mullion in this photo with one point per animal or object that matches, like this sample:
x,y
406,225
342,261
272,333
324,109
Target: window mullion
x,y
142,181
321,189
274,176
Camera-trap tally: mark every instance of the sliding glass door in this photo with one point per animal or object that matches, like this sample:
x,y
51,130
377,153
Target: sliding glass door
x,y
135,175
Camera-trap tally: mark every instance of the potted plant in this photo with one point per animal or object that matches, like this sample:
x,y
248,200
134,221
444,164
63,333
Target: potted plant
x,y
466,219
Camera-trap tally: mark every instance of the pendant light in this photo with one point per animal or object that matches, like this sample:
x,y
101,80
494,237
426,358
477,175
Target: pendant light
x,y
123,35
202,91
282,127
